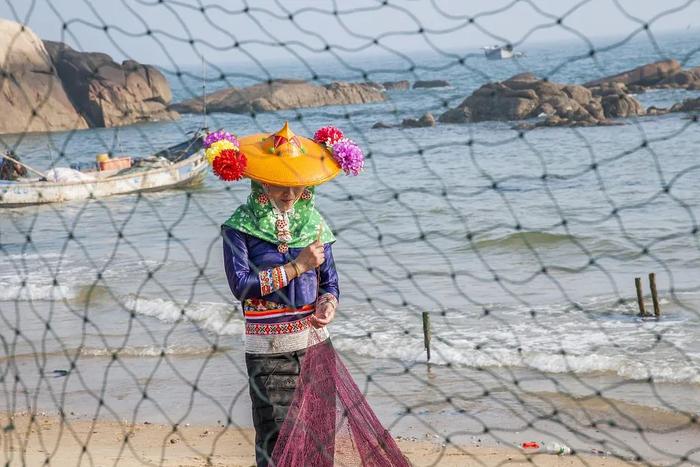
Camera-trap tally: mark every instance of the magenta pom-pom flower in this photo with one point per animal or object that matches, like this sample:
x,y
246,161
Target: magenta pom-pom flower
x,y
328,135
349,156
220,135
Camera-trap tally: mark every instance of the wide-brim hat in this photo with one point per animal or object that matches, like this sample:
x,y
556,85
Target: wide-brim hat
x,y
287,159
283,158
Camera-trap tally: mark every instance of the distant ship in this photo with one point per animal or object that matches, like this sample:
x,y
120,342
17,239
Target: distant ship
x,y
498,52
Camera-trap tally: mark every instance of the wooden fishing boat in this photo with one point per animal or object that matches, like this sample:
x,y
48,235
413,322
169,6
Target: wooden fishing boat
x,y
181,165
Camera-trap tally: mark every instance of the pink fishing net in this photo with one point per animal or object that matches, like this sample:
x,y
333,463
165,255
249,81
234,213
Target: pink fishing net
x,y
330,422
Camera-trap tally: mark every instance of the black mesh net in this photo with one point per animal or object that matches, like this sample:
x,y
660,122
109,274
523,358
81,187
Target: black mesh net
x,y
525,162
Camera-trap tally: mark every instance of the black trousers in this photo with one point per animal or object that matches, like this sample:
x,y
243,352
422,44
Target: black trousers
x,y
272,380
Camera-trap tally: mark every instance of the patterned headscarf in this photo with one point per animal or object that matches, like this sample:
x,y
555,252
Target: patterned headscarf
x,y
297,228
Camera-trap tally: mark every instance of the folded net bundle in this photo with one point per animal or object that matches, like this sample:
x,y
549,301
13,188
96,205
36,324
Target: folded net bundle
x,y
329,421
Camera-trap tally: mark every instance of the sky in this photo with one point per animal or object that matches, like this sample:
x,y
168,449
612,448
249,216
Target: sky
x,y
173,33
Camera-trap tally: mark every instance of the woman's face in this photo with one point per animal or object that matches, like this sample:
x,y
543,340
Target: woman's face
x,y
284,196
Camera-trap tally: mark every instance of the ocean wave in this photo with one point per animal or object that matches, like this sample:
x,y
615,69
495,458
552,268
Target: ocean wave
x,y
12,292
48,292
544,362
219,318
537,239
152,351
601,337
55,277
522,239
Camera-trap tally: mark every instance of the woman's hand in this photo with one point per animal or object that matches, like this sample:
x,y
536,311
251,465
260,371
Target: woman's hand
x,y
311,257
324,314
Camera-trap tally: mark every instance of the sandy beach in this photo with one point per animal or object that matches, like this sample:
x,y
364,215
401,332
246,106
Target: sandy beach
x,y
26,442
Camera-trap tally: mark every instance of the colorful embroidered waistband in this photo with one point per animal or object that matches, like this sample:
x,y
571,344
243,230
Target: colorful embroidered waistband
x,y
302,335
277,328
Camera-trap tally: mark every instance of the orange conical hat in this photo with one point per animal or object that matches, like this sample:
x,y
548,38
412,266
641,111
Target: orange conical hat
x,y
286,159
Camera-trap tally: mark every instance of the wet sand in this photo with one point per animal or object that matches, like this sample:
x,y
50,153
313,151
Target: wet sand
x,y
108,442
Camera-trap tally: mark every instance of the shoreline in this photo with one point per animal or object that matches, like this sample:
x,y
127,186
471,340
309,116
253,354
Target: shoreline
x,y
110,442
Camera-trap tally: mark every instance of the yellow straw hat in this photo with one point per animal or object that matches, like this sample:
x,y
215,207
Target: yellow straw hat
x,y
283,158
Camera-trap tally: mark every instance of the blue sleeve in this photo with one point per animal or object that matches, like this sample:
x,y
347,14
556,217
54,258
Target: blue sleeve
x,y
243,282
328,274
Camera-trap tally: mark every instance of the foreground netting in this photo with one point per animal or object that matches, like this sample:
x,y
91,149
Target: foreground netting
x,y
520,238
330,422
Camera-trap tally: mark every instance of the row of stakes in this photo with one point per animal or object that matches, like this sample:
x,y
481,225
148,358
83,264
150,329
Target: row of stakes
x,y
640,301
654,296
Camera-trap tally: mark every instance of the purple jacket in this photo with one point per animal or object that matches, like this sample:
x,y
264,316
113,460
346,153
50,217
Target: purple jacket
x,y
245,256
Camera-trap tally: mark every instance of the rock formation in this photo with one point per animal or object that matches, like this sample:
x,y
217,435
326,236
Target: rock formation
x,y
396,85
32,97
427,120
47,86
688,105
109,94
663,74
282,94
524,96
432,83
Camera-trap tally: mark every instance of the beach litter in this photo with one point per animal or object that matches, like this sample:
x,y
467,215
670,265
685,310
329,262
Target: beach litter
x,y
551,447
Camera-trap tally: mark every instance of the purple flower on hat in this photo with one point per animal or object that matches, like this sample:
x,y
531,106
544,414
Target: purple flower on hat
x,y
349,156
212,138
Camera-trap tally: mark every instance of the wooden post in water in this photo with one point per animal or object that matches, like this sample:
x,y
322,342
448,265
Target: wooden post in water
x,y
426,332
654,296
640,296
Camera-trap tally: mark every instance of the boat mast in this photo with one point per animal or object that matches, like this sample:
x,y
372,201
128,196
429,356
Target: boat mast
x,y
204,90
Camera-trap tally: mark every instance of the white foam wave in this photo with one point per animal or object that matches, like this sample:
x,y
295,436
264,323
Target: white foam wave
x,y
557,341
149,351
32,277
411,350
10,292
220,318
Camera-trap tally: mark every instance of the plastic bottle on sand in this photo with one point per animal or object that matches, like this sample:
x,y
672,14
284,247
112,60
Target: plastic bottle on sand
x,y
551,447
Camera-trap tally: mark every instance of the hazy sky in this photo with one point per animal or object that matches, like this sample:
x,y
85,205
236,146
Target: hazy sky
x,y
168,32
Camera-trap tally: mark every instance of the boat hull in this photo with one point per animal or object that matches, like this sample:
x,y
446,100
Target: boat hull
x,y
498,54
188,172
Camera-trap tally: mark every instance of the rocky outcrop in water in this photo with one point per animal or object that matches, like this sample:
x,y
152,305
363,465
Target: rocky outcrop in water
x,y
688,105
662,74
32,97
427,120
431,83
402,85
282,94
47,86
107,93
524,96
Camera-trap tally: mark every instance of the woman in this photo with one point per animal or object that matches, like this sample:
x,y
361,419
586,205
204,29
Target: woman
x,y
281,296
279,264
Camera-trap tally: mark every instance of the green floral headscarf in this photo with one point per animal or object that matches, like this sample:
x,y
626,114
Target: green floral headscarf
x,y
257,218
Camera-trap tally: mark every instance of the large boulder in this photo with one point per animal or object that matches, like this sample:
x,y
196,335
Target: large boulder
x,y
280,95
662,74
32,97
524,96
460,114
621,106
109,94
